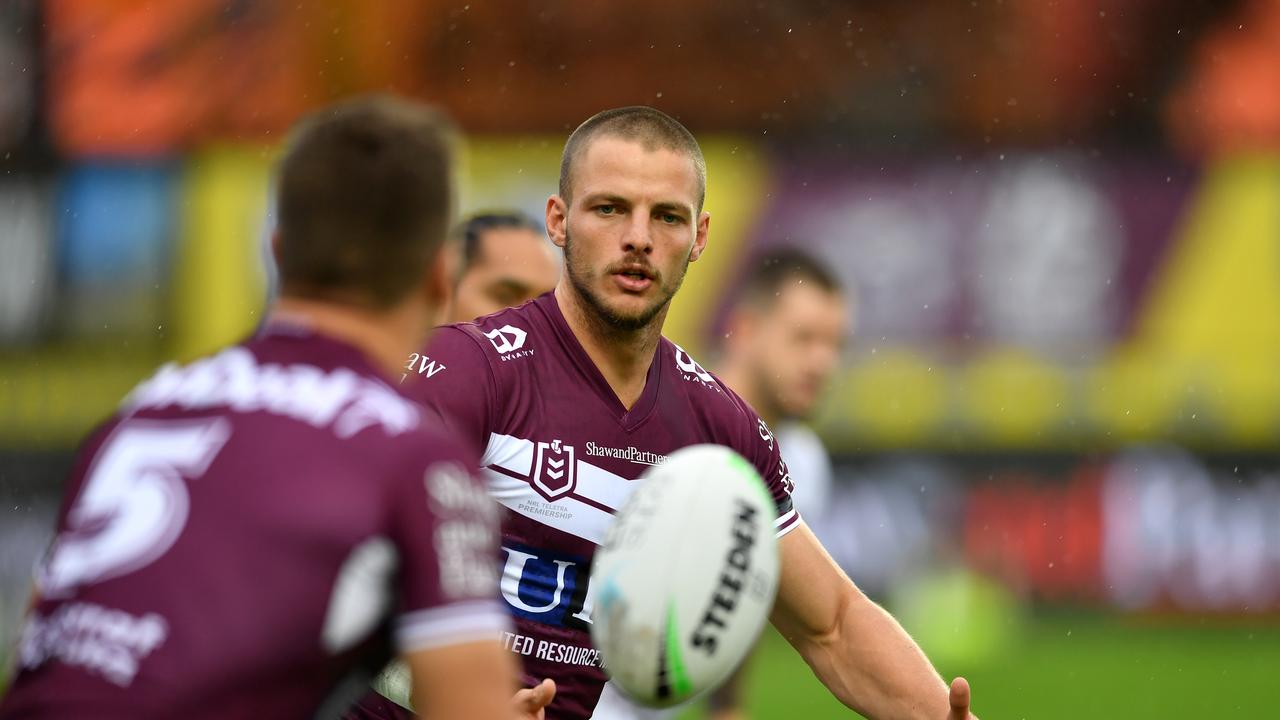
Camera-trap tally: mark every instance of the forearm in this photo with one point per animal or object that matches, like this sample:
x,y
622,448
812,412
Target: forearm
x,y
871,664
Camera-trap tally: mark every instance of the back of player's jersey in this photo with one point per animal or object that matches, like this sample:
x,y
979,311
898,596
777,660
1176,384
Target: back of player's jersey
x,y
229,543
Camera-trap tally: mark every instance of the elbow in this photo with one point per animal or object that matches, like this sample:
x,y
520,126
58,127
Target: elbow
x,y
834,631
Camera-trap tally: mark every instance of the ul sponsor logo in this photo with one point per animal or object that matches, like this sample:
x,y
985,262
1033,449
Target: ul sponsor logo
x,y
506,339
555,469
547,587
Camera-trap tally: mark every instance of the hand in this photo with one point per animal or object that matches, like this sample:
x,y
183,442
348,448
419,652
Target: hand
x,y
530,702
960,700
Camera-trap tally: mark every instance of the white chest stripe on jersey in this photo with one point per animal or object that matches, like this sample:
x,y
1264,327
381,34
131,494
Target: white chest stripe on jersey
x,y
565,514
585,511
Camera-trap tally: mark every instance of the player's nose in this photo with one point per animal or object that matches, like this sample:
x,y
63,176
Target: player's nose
x,y
638,235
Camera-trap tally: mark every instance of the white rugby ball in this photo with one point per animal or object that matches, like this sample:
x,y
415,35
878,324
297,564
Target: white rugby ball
x,y
686,576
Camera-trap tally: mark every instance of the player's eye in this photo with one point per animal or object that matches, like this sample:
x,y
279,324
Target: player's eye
x,y
503,296
607,209
670,218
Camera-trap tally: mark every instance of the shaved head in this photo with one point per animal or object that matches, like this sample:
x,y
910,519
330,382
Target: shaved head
x,y
652,129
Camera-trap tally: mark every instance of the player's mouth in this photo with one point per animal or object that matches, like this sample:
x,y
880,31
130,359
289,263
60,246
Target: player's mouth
x,y
633,278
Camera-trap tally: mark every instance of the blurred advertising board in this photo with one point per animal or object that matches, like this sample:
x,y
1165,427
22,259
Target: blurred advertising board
x,y
1152,529
1063,300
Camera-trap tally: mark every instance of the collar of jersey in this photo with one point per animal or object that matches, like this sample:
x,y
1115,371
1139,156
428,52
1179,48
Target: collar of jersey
x,y
628,419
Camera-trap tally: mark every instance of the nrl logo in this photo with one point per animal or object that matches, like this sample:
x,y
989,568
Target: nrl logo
x,y
554,469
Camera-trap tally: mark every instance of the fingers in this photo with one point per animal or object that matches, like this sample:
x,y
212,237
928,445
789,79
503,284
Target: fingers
x,y
959,700
545,692
529,702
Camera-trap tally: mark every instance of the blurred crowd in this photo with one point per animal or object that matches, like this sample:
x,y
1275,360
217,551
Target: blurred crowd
x,y
150,78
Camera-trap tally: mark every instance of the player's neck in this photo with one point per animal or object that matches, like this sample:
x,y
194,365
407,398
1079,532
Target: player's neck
x,y
385,338
623,357
739,378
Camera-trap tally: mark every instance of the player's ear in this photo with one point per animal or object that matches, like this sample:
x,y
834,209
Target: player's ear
x,y
700,236
739,329
437,283
557,219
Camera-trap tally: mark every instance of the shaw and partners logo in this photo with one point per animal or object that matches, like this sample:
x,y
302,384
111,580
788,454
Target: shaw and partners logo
x,y
508,341
555,471
630,454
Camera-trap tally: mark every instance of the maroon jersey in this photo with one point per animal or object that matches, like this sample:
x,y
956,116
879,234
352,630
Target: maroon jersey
x,y
562,454
249,530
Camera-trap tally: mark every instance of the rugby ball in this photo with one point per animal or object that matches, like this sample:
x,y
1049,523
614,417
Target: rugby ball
x,y
685,577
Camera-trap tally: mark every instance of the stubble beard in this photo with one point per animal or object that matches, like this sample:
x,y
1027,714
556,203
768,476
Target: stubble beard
x,y
610,317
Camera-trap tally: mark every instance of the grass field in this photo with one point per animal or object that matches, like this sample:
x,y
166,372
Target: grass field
x,y
1075,666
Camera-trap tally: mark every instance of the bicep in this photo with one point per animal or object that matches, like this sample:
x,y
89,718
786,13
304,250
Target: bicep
x,y
813,592
465,680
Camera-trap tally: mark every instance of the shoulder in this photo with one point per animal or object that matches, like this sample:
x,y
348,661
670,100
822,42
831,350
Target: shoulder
x,y
330,395
497,337
708,395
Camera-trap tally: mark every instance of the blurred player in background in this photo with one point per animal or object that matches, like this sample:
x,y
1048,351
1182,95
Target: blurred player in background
x,y
252,532
575,394
782,343
502,260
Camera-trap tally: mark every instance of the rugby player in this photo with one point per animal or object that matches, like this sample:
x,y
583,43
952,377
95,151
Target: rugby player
x,y
499,259
783,340
502,259
574,394
252,532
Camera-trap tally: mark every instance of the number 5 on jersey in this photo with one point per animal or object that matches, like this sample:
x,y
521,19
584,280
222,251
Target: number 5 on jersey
x,y
134,502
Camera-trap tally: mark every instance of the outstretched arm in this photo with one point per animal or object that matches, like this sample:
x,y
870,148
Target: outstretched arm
x,y
856,648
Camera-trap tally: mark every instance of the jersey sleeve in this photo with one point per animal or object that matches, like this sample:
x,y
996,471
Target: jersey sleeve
x,y
753,439
445,528
451,376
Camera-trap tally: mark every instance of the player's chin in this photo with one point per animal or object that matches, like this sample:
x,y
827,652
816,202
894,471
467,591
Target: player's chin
x,y
800,407
632,310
